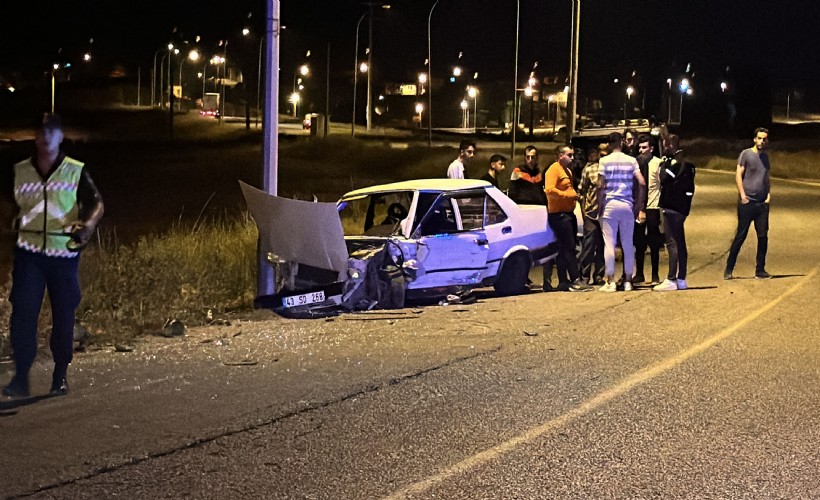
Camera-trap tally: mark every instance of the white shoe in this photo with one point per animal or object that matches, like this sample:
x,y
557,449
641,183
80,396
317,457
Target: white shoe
x,y
627,286
682,284
666,286
609,287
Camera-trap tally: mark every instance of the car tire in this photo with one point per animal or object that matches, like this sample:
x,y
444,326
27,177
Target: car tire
x,y
512,280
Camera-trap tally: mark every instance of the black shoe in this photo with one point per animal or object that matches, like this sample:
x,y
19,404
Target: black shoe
x,y
59,387
547,287
638,279
563,286
762,275
17,389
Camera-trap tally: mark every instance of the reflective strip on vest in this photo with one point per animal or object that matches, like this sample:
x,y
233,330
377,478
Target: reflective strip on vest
x,y
46,207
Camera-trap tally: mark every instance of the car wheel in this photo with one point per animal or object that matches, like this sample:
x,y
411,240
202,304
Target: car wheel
x,y
512,280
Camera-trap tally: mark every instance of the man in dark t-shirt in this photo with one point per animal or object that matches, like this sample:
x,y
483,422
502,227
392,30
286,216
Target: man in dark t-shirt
x,y
497,164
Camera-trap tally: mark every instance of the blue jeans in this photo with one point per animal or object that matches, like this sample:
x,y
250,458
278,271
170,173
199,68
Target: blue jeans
x,y
675,244
757,212
32,275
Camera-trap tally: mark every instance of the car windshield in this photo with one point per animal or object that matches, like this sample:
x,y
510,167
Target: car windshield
x,y
378,214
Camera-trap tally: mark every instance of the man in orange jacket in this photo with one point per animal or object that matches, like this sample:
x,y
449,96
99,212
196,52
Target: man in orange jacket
x,y
561,199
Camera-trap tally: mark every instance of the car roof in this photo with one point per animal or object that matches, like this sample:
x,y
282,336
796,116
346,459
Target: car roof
x,y
434,185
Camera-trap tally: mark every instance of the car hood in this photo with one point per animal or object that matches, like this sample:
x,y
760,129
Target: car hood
x,y
298,231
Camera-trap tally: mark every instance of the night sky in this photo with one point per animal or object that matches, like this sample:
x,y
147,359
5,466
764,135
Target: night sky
x,y
778,39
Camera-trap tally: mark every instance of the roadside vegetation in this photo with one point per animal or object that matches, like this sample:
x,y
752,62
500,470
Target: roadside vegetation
x,y
194,274
199,270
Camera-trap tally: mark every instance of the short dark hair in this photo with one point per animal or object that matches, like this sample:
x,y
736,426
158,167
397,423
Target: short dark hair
x,y
644,138
673,140
50,120
615,138
761,129
466,143
530,148
560,148
495,158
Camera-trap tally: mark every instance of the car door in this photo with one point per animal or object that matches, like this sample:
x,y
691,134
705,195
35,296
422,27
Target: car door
x,y
452,247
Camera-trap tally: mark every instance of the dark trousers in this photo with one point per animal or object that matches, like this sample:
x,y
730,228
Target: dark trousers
x,y
592,250
675,244
757,212
564,225
649,235
32,275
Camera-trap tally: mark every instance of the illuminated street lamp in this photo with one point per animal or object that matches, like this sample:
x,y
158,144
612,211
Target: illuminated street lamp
x,y
419,110
473,93
294,99
457,71
54,69
193,56
723,86
87,57
303,70
629,91
464,113
684,89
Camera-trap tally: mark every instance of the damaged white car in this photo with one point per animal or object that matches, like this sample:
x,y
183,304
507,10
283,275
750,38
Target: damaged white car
x,y
402,242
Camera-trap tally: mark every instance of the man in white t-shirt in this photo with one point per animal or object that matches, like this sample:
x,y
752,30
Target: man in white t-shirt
x,y
466,151
617,172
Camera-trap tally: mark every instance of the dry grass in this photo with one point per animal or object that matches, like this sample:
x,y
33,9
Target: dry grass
x,y
790,159
132,288
183,274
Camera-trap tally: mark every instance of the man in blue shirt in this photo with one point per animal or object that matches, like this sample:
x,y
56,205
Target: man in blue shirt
x,y
752,179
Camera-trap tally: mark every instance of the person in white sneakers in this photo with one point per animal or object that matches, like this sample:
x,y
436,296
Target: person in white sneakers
x,y
616,173
677,189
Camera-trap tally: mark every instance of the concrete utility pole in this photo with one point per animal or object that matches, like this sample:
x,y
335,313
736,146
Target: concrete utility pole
x,y
514,115
370,66
572,98
265,280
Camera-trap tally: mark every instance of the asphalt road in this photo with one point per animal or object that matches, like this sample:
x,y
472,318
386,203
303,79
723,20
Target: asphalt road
x,y
711,392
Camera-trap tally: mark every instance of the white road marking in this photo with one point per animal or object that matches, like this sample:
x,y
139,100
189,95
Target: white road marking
x,y
627,384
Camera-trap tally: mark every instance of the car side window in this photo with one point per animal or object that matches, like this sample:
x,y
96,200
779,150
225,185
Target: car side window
x,y
472,211
495,214
440,219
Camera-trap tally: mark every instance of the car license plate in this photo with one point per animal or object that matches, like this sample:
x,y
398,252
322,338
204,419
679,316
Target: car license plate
x,y
304,299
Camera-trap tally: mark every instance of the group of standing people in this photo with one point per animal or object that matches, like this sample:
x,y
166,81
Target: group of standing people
x,y
632,198
626,194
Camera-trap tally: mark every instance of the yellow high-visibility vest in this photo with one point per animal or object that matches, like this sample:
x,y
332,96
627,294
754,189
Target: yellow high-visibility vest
x,y
46,206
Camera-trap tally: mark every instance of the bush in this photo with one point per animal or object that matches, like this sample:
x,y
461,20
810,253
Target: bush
x,y
181,274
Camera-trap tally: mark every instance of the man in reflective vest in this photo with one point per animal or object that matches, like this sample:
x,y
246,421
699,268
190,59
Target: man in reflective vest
x,y
59,208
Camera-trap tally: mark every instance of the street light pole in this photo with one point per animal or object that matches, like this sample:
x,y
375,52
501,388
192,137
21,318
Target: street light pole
x,y
430,79
572,98
356,76
514,116
53,85
224,74
370,66
154,79
258,81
